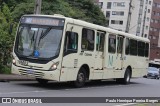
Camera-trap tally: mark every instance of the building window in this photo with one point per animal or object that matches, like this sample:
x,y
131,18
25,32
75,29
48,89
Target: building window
x,y
121,22
155,29
146,27
109,5
100,4
117,22
154,13
151,29
148,19
154,37
112,21
150,2
120,13
145,35
156,21
119,4
150,36
152,20
140,16
149,10
114,13
107,14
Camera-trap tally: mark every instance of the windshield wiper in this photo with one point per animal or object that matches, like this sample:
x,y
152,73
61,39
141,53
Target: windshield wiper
x,y
44,34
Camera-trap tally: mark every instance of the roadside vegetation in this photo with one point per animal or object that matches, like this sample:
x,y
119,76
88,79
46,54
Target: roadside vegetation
x,y
12,10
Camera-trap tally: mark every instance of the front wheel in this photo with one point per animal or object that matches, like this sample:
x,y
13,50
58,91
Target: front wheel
x,y
81,78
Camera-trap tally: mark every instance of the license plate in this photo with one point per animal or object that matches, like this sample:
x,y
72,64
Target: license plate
x,y
22,62
30,71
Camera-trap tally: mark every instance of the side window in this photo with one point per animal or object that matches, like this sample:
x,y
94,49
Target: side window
x,y
87,39
133,47
127,46
100,41
141,47
71,42
112,43
119,44
146,50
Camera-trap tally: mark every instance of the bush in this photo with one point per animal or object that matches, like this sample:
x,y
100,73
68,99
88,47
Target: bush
x,y
5,69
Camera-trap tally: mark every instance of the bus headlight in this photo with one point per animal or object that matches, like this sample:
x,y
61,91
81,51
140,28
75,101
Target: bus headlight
x,y
54,66
14,61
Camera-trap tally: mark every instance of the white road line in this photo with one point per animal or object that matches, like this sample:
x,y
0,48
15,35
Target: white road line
x,y
128,104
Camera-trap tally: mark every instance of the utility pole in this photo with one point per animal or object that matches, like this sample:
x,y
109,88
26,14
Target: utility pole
x,y
37,7
129,17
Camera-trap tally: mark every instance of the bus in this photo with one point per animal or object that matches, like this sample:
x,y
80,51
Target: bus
x,y
63,49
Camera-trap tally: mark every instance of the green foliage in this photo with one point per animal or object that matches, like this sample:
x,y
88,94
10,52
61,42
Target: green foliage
x,y
6,37
79,9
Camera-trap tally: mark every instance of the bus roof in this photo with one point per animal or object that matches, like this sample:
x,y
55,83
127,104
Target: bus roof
x,y
94,26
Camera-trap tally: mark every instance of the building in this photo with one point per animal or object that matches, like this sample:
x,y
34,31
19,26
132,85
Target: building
x,y
132,16
154,33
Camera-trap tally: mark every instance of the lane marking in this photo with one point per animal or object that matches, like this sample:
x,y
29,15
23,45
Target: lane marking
x,y
128,104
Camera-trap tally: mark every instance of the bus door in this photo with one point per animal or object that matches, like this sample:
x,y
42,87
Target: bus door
x,y
70,53
99,54
119,57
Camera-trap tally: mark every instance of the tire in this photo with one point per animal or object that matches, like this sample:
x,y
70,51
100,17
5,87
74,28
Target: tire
x,y
81,78
42,81
126,79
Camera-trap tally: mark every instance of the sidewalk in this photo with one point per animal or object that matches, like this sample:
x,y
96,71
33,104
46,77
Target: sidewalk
x,y
12,77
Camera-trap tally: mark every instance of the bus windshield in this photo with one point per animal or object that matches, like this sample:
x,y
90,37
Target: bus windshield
x,y
38,41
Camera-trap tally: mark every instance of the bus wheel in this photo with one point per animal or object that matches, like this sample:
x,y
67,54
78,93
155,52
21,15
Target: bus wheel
x,y
42,81
81,78
126,79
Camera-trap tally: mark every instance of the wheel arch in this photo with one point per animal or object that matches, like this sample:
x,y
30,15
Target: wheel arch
x,y
87,70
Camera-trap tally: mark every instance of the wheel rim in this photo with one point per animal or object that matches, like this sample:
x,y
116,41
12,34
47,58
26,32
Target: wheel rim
x,y
80,77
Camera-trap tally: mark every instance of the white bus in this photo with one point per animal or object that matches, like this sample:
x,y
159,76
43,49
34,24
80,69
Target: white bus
x,y
68,50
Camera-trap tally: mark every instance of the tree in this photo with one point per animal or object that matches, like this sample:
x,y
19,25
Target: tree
x,y
79,9
6,35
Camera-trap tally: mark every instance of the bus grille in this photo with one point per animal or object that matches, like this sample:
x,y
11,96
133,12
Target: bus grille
x,y
33,74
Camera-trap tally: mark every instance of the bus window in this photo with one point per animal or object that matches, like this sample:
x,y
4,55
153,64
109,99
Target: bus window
x,y
141,46
127,46
133,47
71,42
146,49
120,44
100,41
87,39
112,43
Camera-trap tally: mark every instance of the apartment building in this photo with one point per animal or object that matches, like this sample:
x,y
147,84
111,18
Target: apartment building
x,y
132,16
154,33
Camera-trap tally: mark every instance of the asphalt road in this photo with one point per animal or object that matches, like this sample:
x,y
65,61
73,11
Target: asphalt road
x,y
140,87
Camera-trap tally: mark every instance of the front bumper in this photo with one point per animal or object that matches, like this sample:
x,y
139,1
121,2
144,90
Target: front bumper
x,y
48,75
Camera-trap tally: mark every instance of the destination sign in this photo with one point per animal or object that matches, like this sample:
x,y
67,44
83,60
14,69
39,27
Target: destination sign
x,y
42,21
